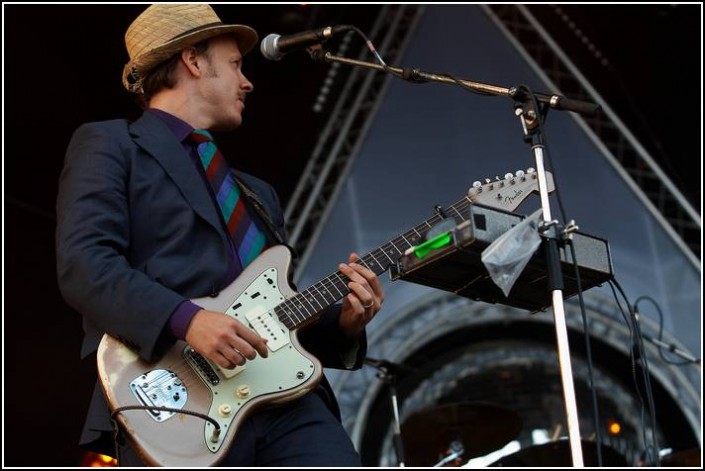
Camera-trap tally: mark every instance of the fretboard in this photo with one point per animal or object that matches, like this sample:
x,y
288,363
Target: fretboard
x,y
309,303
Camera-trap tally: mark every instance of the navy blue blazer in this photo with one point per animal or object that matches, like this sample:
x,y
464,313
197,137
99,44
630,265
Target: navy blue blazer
x,y
138,233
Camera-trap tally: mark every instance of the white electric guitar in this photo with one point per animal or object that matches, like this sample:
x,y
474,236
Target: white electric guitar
x,y
185,410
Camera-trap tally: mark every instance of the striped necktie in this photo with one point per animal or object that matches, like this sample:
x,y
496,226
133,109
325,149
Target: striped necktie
x,y
249,240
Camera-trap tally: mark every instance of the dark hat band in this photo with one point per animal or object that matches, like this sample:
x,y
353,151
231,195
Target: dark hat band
x,y
197,29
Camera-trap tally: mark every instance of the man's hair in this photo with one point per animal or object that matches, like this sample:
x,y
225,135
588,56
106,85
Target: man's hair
x,y
162,76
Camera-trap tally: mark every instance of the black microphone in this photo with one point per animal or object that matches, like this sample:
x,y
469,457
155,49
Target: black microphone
x,y
274,46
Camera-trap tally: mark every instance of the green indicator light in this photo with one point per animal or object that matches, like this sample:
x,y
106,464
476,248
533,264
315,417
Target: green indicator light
x,y
437,242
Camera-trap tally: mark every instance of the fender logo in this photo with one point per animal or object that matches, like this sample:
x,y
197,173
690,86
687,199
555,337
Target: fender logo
x,y
510,199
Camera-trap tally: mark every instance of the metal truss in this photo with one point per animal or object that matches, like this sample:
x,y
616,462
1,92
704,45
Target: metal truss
x,y
337,147
639,170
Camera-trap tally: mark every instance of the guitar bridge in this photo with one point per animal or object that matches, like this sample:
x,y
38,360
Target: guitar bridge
x,y
160,388
202,365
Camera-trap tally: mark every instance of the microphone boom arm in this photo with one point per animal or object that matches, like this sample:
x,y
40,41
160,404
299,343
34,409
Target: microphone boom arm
x,y
415,75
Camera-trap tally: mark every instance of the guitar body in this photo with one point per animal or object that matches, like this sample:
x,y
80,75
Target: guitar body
x,y
184,380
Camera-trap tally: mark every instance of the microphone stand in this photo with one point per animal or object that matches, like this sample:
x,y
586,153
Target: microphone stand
x,y
526,111
388,372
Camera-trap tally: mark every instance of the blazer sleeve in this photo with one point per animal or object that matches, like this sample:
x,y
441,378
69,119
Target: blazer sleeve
x,y
329,344
92,242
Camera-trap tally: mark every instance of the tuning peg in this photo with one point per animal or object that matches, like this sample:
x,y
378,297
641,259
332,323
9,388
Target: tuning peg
x,y
508,176
488,181
519,173
476,184
530,170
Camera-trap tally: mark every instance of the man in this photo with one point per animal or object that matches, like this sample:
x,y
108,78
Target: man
x,y
151,218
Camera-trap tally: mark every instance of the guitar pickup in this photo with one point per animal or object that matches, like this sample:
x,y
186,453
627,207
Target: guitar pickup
x,y
268,327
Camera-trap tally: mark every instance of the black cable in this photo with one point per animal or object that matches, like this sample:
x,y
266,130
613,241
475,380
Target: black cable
x,y
169,409
651,451
660,334
371,47
586,330
407,74
465,86
632,360
216,432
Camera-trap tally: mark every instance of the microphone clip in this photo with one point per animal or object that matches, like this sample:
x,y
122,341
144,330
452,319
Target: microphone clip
x,y
317,53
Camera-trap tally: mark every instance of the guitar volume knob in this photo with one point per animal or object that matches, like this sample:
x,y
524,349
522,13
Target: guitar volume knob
x,y
242,391
225,410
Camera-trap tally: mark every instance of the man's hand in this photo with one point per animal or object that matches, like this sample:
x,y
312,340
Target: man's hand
x,y
224,340
365,298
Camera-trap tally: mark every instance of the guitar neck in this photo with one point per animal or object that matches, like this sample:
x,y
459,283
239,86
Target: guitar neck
x,y
309,303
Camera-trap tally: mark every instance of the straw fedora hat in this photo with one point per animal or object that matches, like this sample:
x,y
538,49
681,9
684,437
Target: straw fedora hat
x,y
163,30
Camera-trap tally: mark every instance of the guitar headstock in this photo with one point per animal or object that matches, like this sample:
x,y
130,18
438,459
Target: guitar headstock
x,y
510,192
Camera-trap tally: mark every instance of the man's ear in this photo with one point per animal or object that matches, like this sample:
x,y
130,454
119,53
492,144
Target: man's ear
x,y
190,60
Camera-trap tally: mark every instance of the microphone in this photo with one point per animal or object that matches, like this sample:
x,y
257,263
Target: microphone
x,y
274,46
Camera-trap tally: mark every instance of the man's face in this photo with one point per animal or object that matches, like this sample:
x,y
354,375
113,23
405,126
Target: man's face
x,y
224,86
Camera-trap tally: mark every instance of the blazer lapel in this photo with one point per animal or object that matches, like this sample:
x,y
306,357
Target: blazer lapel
x,y
155,138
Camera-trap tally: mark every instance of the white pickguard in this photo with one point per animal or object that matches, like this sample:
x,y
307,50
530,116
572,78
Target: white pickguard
x,y
285,368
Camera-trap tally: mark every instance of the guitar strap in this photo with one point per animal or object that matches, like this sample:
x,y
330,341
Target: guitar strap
x,y
259,207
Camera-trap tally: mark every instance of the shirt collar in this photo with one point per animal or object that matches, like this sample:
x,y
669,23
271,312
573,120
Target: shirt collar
x,y
178,126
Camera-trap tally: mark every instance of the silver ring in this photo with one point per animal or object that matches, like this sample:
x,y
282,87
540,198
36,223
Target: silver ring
x,y
367,306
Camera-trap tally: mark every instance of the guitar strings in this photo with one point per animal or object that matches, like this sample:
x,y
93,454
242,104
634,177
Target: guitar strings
x,y
289,307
